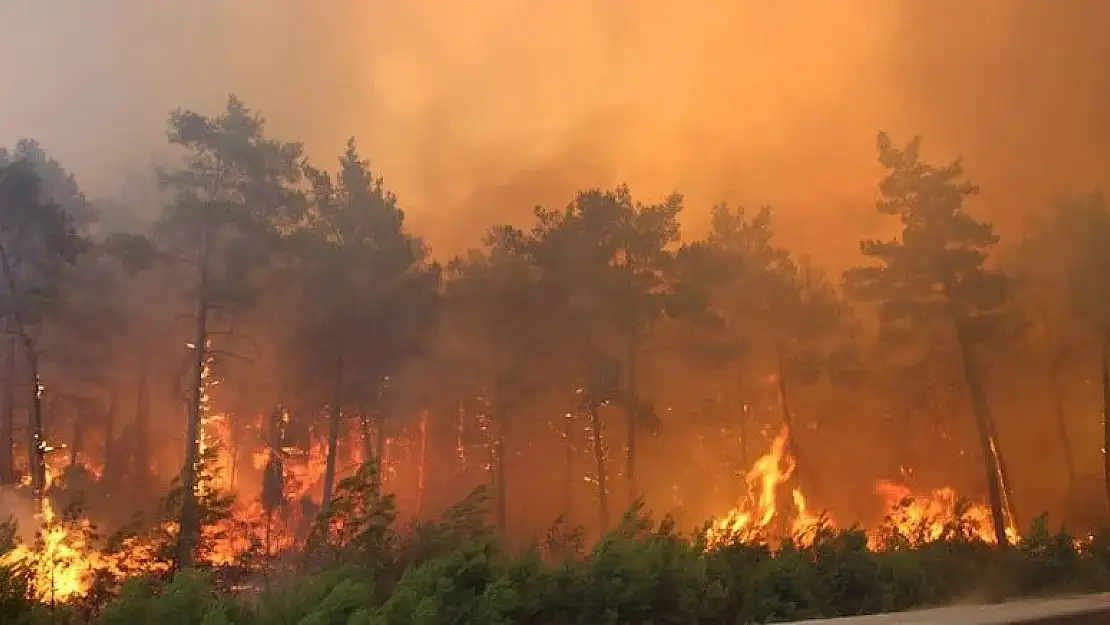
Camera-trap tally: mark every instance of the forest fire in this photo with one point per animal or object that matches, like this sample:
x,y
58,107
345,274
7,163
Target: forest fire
x,y
343,391
68,556
911,516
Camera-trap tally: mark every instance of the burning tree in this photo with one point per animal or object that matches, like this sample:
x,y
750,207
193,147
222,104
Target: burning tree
x,y
37,239
935,273
235,189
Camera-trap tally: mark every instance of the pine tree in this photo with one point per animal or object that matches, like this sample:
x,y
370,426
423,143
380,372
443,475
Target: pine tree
x,y
935,273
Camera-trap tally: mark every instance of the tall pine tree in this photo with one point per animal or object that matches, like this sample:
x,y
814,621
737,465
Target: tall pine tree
x,y
934,274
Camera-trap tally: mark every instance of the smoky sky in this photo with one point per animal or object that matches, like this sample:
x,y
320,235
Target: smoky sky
x,y
476,111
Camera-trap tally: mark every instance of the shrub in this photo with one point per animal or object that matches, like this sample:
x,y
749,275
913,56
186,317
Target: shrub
x,y
454,571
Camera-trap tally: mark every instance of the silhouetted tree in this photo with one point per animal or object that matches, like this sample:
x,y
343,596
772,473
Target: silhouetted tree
x,y
37,239
499,331
934,271
1068,256
367,292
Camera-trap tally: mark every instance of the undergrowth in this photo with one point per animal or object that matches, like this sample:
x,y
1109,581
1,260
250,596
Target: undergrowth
x,y
360,569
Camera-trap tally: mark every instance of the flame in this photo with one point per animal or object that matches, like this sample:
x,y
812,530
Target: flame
x,y
917,518
933,516
63,561
760,516
67,558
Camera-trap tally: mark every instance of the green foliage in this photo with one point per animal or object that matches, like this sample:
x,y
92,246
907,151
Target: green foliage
x,y
188,600
358,525
334,595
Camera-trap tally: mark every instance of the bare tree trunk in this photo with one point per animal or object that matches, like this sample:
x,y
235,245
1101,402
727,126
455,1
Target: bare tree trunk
x,y
632,412
788,416
37,446
334,417
140,467
983,421
422,467
602,476
189,532
501,488
7,417
111,467
379,446
1057,398
1008,504
367,433
36,452
568,463
77,445
742,420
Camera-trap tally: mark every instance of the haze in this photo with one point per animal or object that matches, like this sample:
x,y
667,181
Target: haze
x,y
474,112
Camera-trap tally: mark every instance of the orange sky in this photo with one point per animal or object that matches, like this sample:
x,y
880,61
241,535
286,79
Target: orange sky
x,y
474,111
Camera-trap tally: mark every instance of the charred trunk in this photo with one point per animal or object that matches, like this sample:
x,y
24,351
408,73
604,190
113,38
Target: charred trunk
x,y
422,467
632,413
334,417
568,464
77,444
1057,398
788,418
140,466
189,532
7,417
37,447
501,488
366,433
1008,505
600,468
984,424
742,419
111,467
379,446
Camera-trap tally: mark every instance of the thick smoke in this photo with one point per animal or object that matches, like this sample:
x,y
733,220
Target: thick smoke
x,y
474,112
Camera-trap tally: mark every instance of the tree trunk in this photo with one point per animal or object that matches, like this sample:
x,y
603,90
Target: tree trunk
x,y
1008,505
568,464
140,467
366,432
36,451
334,416
1057,398
1104,363
602,477
7,417
422,467
189,532
632,412
111,467
499,466
37,446
379,446
788,417
983,421
77,445
742,420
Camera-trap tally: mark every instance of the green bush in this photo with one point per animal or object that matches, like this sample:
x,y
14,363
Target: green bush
x,y
359,570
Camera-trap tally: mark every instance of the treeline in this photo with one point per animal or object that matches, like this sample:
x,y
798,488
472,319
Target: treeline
x,y
571,344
